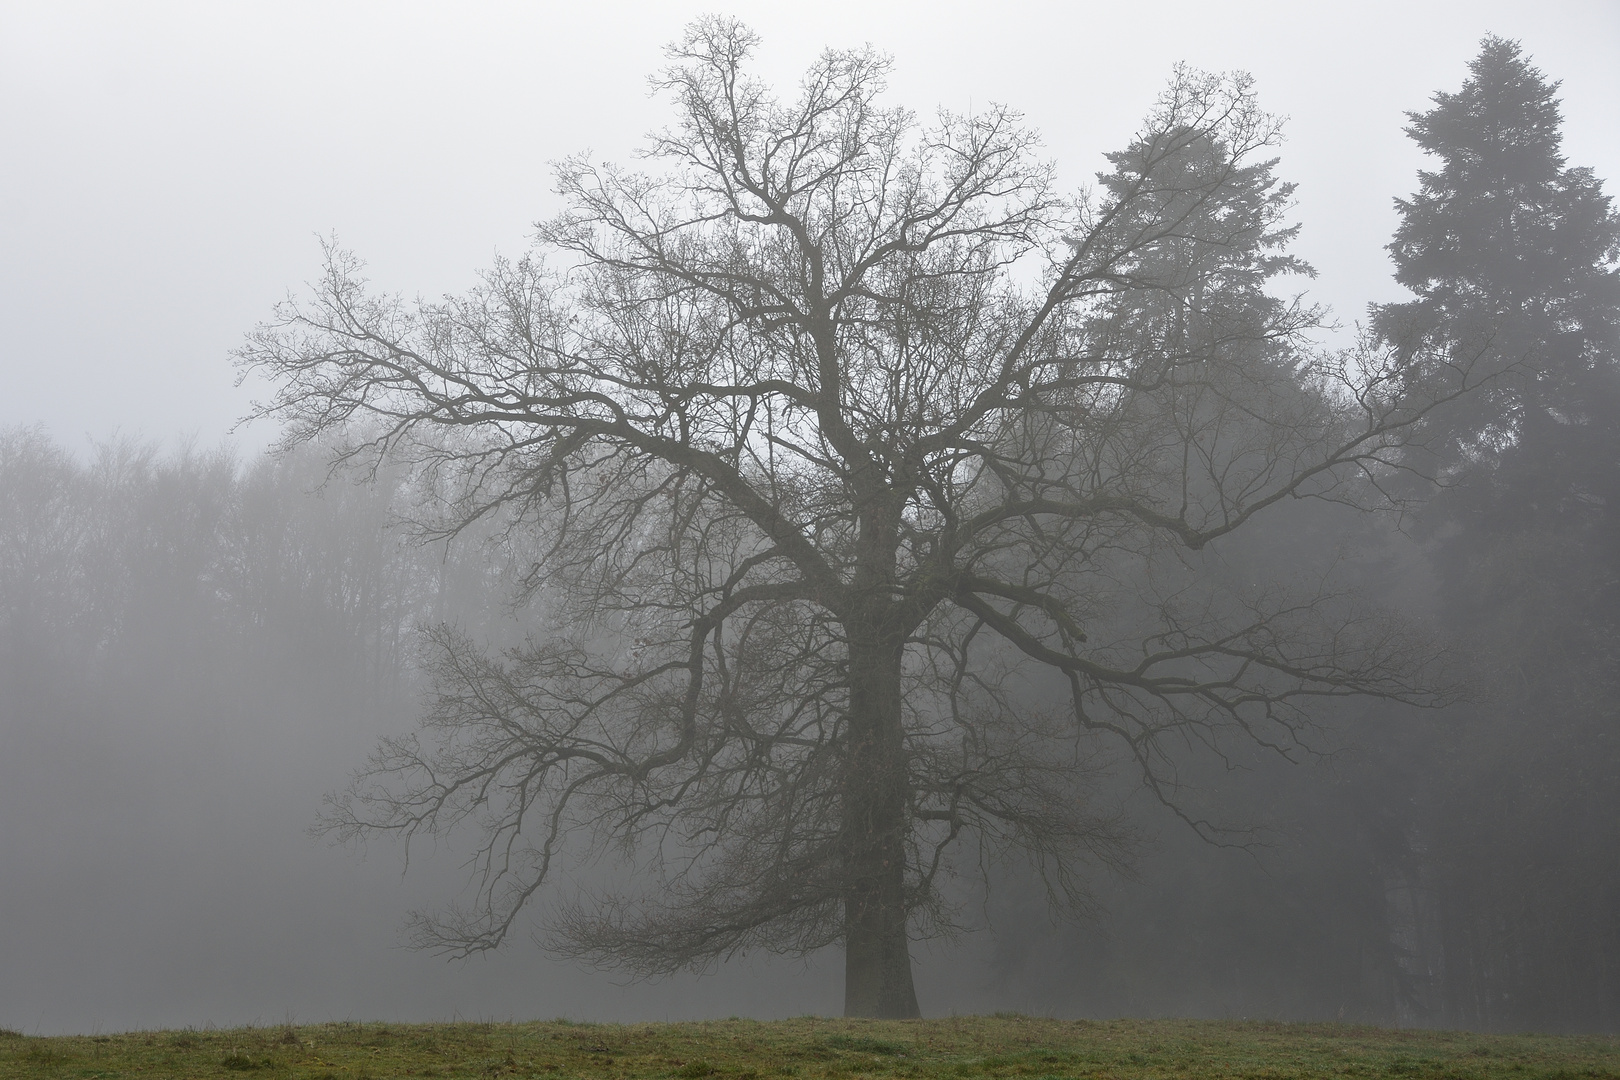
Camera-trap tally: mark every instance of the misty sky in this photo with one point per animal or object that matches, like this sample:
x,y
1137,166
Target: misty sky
x,y
167,167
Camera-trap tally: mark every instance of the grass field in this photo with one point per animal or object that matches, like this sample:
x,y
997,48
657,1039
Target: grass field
x,y
960,1048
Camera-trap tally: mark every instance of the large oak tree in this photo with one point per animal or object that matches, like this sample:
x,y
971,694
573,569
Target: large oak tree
x,y
875,485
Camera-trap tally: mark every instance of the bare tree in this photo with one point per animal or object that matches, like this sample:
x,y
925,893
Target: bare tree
x,y
849,448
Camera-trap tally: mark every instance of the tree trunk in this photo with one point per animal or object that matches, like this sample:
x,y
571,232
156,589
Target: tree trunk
x,y
876,798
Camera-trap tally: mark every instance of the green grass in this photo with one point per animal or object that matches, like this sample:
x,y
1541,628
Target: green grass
x,y
1002,1047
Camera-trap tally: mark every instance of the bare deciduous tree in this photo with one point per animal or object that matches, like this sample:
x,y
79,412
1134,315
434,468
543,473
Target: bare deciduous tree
x,y
852,448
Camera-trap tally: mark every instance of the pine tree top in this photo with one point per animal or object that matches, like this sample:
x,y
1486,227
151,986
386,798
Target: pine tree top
x,y
1502,128
1503,225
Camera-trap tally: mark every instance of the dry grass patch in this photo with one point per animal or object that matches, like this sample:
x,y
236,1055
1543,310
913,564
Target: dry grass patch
x,y
1005,1047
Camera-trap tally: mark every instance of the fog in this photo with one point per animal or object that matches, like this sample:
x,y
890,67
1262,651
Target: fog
x,y
200,640
166,751
169,168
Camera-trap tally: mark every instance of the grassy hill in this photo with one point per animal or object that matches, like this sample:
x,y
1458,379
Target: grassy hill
x,y
810,1048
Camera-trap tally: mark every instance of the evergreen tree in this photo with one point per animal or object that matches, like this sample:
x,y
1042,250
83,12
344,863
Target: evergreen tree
x,y
1509,250
1512,255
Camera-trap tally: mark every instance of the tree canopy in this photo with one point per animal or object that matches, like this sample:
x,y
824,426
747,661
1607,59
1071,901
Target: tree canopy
x,y
1509,249
879,490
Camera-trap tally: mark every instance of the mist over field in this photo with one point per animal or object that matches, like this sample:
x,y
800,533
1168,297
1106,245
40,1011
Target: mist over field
x,y
1279,680
198,649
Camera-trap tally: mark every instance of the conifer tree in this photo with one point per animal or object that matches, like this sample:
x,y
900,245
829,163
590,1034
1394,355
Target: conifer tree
x,y
1512,255
1510,251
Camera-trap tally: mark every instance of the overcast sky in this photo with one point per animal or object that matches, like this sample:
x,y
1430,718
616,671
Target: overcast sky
x,y
167,167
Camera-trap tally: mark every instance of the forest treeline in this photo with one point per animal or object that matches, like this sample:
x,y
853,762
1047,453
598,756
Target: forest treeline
x,y
140,572
1455,867
1458,867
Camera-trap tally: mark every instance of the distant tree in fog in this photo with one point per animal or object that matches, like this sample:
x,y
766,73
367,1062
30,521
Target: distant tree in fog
x,y
1509,249
849,447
